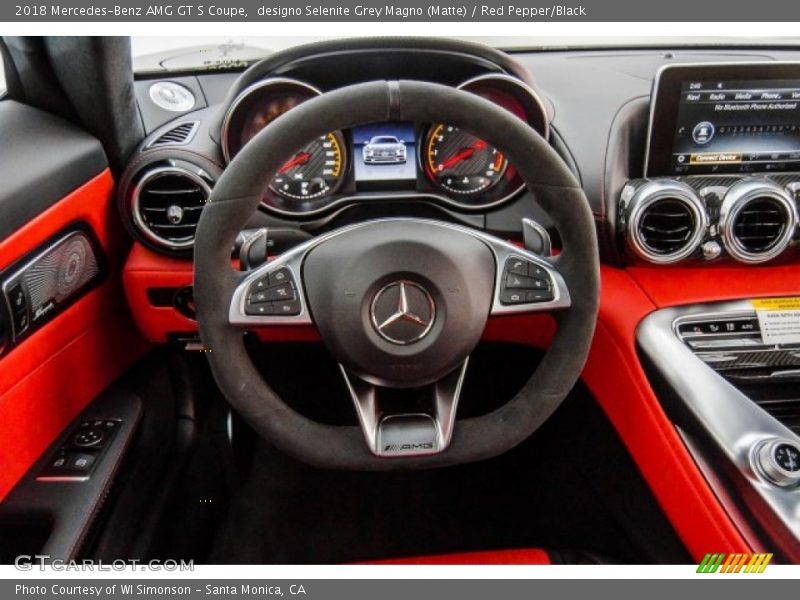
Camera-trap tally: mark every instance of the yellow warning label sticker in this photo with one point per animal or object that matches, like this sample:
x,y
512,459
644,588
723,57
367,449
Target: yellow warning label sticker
x,y
777,303
779,319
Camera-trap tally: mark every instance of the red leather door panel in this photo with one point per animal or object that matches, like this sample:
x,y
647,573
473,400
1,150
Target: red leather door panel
x,y
54,373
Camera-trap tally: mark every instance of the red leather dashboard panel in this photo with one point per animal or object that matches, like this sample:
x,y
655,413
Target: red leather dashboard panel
x,y
145,270
672,286
50,377
522,556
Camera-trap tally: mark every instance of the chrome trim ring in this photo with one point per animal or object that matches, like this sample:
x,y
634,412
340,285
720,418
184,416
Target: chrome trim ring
x,y
736,199
136,213
765,459
244,94
646,196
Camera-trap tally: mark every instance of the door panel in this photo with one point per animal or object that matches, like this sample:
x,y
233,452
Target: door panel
x,y
42,159
55,177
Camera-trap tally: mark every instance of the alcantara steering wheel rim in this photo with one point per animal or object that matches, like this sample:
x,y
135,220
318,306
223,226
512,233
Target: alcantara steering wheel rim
x,y
237,196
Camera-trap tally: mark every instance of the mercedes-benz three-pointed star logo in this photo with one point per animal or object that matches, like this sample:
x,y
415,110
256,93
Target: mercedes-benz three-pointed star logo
x,y
403,312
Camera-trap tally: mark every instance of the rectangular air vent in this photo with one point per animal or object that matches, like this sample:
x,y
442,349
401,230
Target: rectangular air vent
x,y
178,135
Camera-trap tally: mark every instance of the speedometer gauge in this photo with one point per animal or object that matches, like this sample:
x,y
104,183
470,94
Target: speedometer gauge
x,y
461,163
316,171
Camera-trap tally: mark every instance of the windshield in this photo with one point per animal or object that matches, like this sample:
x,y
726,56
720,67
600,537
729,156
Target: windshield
x,y
208,52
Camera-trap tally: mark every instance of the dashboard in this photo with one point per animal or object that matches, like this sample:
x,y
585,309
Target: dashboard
x,y
686,156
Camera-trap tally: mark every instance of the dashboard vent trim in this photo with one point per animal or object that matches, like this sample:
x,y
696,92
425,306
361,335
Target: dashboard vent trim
x,y
166,205
757,221
179,135
666,221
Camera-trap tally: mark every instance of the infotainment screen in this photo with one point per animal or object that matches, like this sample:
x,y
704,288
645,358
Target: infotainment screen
x,y
725,119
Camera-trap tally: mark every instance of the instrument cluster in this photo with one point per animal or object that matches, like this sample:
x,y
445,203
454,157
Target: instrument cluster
x,y
437,162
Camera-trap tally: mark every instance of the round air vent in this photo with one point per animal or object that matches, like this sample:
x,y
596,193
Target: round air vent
x,y
757,221
666,221
166,206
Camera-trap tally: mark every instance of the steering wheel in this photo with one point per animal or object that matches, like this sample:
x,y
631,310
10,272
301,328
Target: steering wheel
x,y
399,303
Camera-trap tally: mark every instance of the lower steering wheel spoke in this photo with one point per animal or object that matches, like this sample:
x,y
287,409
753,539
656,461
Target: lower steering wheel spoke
x,y
407,422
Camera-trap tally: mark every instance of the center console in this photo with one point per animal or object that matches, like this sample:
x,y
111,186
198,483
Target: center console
x,y
702,360
716,208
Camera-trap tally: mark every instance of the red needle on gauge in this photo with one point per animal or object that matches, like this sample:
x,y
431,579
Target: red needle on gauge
x,y
462,155
300,159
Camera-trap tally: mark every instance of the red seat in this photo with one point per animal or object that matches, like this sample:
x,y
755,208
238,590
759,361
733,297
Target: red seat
x,y
521,556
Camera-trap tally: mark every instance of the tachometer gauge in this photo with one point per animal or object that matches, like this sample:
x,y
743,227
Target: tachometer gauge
x,y
460,163
316,171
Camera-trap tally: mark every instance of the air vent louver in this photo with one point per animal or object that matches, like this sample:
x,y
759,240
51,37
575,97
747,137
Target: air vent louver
x,y
757,220
666,226
167,206
177,136
760,224
666,221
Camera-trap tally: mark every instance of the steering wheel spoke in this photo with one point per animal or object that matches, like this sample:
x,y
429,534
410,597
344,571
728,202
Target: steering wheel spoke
x,y
392,432
273,293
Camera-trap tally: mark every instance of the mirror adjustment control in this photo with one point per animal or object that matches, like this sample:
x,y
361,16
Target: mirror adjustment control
x,y
79,454
779,461
89,438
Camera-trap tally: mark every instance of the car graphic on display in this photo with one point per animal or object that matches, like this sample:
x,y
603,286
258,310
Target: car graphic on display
x,y
384,149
